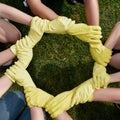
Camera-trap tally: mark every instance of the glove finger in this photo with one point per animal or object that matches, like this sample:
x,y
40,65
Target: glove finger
x,y
98,82
107,58
95,33
95,79
56,110
94,39
96,28
51,109
54,102
56,113
29,91
30,101
107,78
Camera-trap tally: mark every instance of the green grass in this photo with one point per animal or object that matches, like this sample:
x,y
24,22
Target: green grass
x,y
62,62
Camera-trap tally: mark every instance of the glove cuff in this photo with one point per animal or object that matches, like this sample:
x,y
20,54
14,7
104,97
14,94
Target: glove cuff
x,y
7,74
13,49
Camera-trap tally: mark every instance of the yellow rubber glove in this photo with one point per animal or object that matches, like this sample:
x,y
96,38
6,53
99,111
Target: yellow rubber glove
x,y
100,78
23,50
35,34
18,74
36,31
64,101
100,53
92,35
25,57
54,107
37,97
86,33
59,25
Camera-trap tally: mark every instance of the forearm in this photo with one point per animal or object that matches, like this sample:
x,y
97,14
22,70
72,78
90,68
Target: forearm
x,y
113,37
92,12
39,9
36,113
5,84
63,116
6,56
14,14
115,77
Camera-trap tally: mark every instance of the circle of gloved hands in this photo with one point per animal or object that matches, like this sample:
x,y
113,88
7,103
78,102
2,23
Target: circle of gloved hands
x,y
83,93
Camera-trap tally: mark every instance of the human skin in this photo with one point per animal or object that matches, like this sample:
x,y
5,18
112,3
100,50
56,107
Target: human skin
x,y
41,10
92,12
109,94
85,92
9,13
113,42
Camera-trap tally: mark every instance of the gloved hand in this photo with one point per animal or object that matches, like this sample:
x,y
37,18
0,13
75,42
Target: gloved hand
x,y
54,107
100,78
59,25
86,33
100,53
36,31
37,97
64,101
23,50
35,34
25,57
18,74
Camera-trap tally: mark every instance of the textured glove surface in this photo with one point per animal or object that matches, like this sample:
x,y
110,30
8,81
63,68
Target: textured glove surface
x,y
19,75
36,30
37,97
23,50
64,101
100,54
90,34
59,25
100,78
35,34
60,103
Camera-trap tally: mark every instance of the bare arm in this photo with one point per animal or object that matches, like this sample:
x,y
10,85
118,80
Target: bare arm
x,y
5,84
115,77
14,14
92,12
6,56
113,40
36,113
39,9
